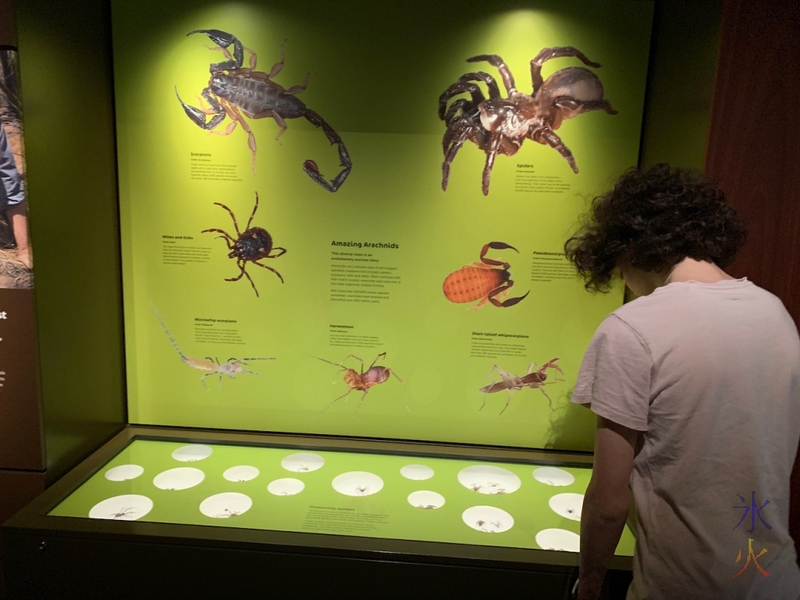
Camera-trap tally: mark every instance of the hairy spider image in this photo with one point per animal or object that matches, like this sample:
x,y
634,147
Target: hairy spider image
x,y
652,220
500,125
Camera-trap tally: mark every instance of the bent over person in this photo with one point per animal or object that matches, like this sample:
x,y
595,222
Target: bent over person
x,y
696,387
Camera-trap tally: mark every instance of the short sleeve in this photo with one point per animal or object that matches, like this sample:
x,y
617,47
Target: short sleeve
x,y
615,375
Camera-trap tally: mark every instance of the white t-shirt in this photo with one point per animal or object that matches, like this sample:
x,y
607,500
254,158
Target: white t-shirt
x,y
710,372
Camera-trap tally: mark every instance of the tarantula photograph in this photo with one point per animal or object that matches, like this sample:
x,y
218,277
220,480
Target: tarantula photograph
x,y
500,125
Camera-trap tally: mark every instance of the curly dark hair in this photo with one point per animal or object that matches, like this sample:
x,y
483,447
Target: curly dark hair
x,y
652,220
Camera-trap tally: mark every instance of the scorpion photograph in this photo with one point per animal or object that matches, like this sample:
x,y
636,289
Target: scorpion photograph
x,y
238,92
251,245
500,125
487,280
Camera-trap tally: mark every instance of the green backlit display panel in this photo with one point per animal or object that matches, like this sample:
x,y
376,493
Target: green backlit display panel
x,y
384,224
344,493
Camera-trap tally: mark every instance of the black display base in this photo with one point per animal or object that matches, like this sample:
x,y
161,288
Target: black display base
x,y
62,558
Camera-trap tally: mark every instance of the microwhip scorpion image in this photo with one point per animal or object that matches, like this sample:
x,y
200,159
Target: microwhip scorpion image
x,y
500,125
238,92
211,366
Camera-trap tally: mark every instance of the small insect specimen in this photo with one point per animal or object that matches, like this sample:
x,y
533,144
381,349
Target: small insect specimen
x,y
361,380
499,491
227,514
234,91
362,489
497,524
231,368
123,512
532,379
303,468
487,280
500,125
427,506
570,511
480,522
475,487
493,484
252,245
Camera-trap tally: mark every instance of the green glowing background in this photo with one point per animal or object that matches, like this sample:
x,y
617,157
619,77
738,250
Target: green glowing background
x,y
376,75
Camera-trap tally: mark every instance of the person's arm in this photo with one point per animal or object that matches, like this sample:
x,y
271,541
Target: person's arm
x,y
605,505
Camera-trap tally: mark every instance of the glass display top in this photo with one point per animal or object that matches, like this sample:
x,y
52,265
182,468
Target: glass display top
x,y
341,493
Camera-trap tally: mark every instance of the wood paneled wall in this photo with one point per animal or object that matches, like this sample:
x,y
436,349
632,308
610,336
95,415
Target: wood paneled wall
x,y
754,149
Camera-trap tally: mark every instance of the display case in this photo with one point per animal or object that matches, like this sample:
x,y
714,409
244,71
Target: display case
x,y
181,512
407,313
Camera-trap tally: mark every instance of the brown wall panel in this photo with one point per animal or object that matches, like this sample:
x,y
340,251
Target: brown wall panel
x,y
754,149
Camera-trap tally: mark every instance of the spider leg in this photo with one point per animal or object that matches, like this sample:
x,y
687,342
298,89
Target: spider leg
x,y
269,268
281,253
491,84
230,212
253,214
490,156
458,88
450,154
497,62
546,54
552,139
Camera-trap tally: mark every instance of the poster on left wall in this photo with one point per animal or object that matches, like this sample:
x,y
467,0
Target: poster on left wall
x,y
19,407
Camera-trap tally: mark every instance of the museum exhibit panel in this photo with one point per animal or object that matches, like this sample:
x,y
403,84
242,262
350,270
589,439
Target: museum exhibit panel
x,y
345,297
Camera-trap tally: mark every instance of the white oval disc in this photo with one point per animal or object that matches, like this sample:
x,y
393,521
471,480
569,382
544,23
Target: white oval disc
x,y
488,519
192,452
357,483
124,473
127,507
226,505
181,478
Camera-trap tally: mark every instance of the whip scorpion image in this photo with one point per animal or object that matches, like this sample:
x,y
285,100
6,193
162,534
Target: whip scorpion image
x,y
500,125
510,382
251,245
487,280
238,92
230,368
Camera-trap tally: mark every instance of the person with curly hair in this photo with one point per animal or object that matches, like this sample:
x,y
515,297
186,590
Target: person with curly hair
x,y
696,388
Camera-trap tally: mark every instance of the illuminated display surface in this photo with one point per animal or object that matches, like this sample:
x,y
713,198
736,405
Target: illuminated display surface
x,y
253,292
372,495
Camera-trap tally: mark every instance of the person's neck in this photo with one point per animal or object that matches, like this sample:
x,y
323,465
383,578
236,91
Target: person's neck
x,y
701,271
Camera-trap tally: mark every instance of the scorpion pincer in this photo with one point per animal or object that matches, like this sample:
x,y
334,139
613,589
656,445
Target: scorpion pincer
x,y
239,92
